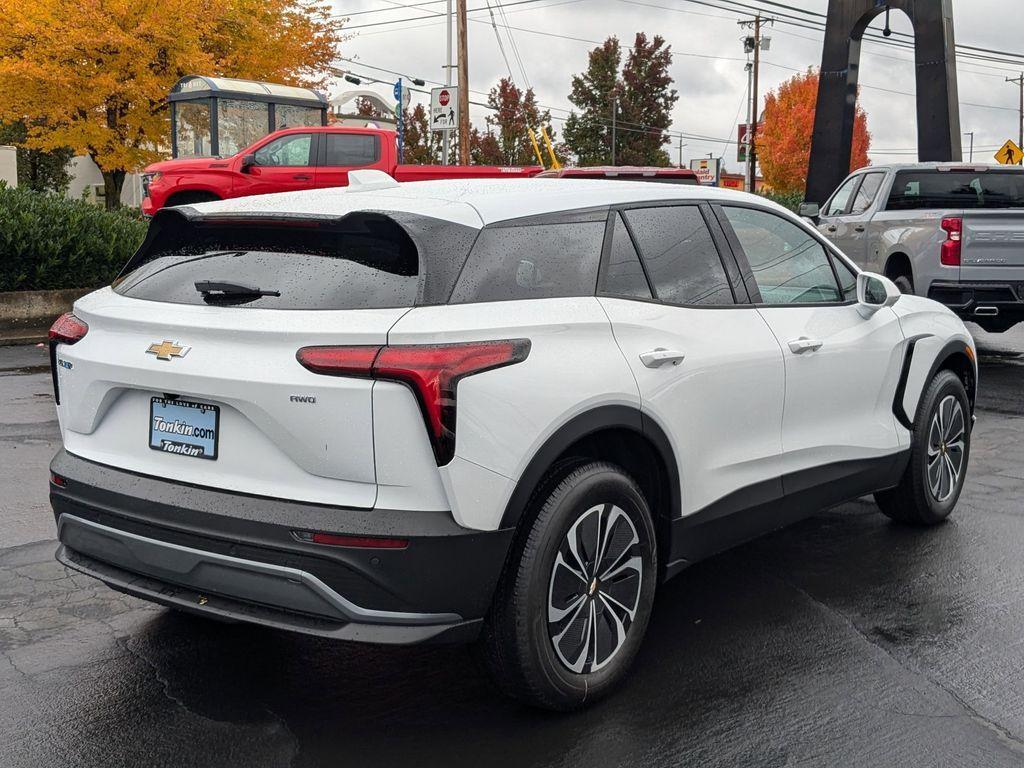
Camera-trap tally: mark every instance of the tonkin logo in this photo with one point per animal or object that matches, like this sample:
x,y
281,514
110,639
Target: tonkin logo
x,y
166,350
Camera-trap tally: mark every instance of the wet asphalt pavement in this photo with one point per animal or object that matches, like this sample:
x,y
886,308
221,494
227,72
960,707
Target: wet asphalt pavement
x,y
844,640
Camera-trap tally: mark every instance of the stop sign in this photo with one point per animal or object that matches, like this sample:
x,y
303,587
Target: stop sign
x,y
443,98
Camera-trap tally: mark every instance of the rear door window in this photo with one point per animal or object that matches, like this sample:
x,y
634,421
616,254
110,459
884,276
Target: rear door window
x,y
966,190
351,149
365,263
680,255
532,261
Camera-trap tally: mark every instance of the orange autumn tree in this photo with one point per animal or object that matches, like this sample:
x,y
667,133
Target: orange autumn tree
x,y
784,141
93,75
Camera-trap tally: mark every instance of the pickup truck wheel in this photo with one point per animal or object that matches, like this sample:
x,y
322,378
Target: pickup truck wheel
x,y
904,284
939,453
573,604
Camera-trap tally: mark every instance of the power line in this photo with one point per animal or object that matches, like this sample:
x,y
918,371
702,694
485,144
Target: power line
x,y
432,15
384,10
515,45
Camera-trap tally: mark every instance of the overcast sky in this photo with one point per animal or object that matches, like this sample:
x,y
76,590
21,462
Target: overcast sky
x,y
708,61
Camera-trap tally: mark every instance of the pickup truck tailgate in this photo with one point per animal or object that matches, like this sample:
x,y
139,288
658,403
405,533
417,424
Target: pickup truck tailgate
x,y
993,246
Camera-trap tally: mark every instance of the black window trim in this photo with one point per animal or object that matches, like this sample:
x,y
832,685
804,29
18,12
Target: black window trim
x,y
745,268
321,155
733,272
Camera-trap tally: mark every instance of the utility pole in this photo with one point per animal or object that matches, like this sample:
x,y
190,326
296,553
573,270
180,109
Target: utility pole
x,y
752,150
756,43
463,83
748,180
445,140
971,134
615,108
1020,123
681,145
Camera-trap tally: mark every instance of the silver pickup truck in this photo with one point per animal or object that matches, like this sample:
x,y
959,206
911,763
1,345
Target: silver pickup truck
x,y
951,232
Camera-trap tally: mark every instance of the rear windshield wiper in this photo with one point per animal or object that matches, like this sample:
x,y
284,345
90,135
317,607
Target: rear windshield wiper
x,y
215,288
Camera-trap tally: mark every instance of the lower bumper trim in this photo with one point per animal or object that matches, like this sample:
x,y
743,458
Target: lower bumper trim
x,y
88,544
228,610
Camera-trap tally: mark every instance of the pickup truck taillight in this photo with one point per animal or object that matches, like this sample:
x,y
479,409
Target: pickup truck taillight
x,y
954,229
432,371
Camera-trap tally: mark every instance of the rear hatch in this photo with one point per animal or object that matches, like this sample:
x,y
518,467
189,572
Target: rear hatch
x,y
188,369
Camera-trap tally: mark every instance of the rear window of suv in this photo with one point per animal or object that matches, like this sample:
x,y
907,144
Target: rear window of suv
x,y
967,190
364,262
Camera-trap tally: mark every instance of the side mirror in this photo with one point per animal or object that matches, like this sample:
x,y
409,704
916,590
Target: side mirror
x,y
248,161
875,292
810,211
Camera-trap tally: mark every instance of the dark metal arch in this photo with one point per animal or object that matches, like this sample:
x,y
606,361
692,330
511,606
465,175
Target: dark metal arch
x,y
938,106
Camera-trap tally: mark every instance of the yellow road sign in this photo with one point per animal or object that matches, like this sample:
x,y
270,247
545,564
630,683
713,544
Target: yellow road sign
x,y
1010,153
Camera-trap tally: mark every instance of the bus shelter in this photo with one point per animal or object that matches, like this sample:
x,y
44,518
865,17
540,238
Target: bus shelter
x,y
219,116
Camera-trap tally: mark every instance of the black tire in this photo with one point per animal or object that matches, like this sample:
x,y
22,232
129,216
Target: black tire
x,y
190,198
905,284
519,644
915,500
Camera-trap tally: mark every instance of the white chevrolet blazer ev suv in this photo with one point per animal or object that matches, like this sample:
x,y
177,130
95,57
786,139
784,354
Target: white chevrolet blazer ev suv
x,y
499,410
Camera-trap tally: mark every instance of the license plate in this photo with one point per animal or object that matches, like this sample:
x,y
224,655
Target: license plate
x,y
183,427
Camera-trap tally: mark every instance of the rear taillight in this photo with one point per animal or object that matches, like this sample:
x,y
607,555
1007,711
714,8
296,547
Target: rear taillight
x,y
339,361
431,371
954,229
68,329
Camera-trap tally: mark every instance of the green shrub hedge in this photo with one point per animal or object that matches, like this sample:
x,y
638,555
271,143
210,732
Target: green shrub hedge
x,y
48,242
789,200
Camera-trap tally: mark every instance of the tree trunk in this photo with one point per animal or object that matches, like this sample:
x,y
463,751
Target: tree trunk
x,y
113,183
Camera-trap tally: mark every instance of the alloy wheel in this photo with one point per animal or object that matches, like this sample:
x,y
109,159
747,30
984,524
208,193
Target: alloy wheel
x,y
946,448
594,588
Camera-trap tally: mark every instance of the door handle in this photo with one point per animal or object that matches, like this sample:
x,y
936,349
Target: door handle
x,y
859,228
656,358
302,177
803,345
832,227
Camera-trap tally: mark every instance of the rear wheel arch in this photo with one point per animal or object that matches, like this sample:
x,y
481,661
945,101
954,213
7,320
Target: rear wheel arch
x,y
897,266
618,434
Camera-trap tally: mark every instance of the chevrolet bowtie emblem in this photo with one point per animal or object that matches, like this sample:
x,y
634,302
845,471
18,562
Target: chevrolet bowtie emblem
x,y
166,350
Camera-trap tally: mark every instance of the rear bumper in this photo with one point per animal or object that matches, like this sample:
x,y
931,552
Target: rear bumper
x,y
998,304
236,557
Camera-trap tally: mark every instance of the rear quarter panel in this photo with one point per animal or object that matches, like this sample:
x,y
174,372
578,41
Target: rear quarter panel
x,y
916,234
505,415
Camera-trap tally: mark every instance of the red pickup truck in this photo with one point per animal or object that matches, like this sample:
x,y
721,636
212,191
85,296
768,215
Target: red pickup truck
x,y
296,158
